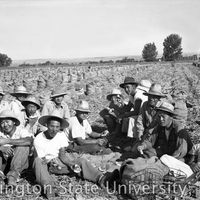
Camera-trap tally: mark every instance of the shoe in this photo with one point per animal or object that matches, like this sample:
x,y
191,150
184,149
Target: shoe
x,y
51,193
108,179
12,181
57,170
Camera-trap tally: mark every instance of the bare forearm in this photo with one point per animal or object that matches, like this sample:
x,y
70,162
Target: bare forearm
x,y
95,135
4,141
81,141
21,142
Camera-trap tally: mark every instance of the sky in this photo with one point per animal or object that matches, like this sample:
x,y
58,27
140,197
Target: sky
x,y
35,29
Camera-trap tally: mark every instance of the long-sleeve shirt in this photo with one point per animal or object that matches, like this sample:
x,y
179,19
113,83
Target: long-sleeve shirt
x,y
146,120
178,143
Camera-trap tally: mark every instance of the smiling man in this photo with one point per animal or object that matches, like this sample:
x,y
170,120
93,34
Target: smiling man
x,y
166,138
47,145
15,143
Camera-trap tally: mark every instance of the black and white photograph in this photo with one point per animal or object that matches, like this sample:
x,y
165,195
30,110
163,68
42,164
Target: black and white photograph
x,y
99,99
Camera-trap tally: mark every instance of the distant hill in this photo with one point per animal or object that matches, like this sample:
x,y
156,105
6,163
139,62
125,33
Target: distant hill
x,y
78,60
73,60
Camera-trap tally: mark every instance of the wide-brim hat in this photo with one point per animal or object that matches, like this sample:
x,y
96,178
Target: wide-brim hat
x,y
58,93
155,90
166,107
115,92
83,107
128,80
20,90
1,91
144,85
44,119
7,114
31,100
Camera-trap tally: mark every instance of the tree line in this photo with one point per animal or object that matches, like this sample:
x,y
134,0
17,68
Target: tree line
x,y
172,50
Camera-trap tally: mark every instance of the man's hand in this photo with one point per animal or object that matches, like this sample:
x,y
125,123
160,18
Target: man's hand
x,y
100,142
195,167
140,149
7,150
44,161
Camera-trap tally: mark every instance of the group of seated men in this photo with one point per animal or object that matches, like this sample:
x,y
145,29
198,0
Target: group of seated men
x,y
46,133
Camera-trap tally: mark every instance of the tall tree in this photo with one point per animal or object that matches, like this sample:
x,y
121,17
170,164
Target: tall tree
x,y
149,52
172,47
5,60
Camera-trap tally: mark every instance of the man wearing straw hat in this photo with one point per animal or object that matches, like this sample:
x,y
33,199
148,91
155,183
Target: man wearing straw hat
x,y
57,104
20,93
31,115
4,105
165,138
116,107
81,132
15,143
147,118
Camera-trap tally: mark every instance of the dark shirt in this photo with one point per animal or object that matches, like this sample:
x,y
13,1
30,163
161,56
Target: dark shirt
x,y
177,145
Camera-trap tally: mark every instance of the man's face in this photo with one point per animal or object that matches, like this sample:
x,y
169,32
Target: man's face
x,y
31,109
164,118
7,125
117,100
130,89
21,97
153,100
82,115
58,100
53,127
1,97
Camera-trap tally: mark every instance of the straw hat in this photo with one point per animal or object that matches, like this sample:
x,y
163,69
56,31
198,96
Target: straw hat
x,y
32,100
155,90
7,114
115,92
166,107
58,93
128,80
54,116
1,91
83,107
20,90
144,85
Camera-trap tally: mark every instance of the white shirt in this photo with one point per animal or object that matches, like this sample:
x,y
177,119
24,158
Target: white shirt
x,y
18,134
4,105
138,95
49,148
18,109
77,130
